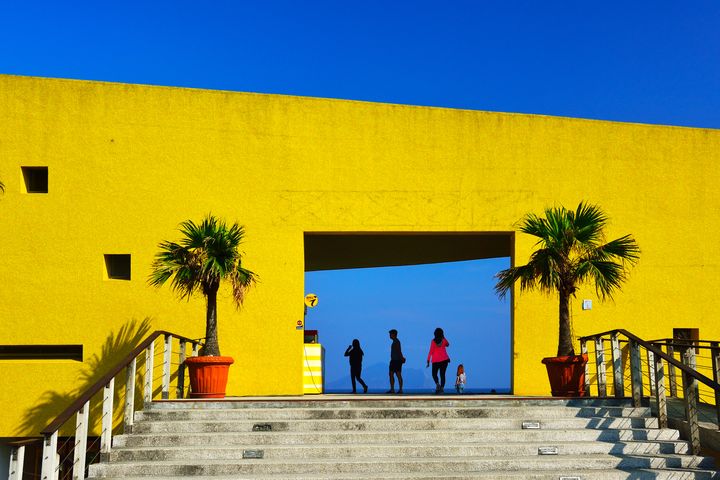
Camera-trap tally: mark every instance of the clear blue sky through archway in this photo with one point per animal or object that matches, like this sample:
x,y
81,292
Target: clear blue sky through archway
x,y
456,296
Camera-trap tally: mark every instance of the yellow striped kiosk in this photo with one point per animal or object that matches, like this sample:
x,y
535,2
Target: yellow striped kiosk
x,y
313,366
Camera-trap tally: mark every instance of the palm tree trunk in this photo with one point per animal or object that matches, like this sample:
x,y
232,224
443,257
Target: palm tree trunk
x,y
565,345
212,347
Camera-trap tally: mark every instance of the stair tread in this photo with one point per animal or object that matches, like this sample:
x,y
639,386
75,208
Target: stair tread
x,y
395,444
379,432
410,459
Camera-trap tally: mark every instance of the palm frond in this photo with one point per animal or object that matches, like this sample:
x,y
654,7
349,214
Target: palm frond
x,y
242,280
589,223
570,252
507,278
548,269
206,254
535,226
624,249
606,276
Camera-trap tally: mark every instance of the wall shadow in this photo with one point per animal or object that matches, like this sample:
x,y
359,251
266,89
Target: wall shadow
x,y
52,402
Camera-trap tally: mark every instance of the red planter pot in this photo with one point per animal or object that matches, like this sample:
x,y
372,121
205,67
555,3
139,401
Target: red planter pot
x,y
208,376
567,375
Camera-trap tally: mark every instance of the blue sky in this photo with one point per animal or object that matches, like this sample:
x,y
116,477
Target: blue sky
x,y
641,61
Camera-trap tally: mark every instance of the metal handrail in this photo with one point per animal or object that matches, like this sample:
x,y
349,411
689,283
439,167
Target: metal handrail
x,y
74,407
656,374
80,408
672,361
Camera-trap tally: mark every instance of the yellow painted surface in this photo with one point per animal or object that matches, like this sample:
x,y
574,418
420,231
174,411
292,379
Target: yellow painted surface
x,y
312,363
127,163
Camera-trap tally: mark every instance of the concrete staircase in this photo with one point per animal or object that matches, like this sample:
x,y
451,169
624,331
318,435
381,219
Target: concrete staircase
x,y
401,438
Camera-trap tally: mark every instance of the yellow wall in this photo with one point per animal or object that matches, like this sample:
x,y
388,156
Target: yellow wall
x,y
127,163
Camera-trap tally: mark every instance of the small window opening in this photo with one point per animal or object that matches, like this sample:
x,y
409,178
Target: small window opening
x,y
118,266
41,352
36,179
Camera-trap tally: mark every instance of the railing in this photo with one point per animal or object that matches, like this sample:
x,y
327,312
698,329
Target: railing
x,y
623,345
77,441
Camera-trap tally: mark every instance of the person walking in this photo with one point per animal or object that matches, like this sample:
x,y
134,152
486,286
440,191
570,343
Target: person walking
x,y
396,362
355,354
440,359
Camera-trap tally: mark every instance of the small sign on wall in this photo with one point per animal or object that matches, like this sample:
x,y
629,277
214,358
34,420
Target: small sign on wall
x,y
311,300
587,305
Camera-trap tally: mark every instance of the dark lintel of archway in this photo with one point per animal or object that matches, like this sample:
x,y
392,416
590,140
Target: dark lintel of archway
x,y
337,251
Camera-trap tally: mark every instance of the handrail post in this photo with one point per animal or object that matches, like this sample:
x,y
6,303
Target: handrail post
x,y
715,354
671,371
149,367
660,398
17,461
600,364
80,450
107,418
692,363
618,383
636,373
130,397
181,370
167,353
690,385
195,348
49,457
651,371
584,351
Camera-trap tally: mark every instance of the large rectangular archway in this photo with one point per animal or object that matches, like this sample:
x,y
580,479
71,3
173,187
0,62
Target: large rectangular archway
x,y
359,254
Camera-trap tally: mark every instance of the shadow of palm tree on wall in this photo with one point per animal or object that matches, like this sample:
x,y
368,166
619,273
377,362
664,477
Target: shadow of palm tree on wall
x,y
52,403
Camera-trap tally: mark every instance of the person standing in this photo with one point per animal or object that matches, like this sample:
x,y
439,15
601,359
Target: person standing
x,y
460,379
396,362
440,359
355,354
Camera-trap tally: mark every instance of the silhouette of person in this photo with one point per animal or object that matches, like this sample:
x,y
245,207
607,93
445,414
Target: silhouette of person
x,y
440,359
355,354
396,362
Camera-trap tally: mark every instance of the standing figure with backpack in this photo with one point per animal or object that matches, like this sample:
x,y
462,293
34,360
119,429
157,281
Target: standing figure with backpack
x,y
396,362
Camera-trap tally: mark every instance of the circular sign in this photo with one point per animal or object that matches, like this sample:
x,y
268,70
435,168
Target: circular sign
x,y
311,300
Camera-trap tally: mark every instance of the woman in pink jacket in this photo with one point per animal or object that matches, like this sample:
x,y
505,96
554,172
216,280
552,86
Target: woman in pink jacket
x,y
439,358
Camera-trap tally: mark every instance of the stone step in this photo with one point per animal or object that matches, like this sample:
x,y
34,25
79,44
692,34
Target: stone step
x,y
375,466
520,449
192,426
404,437
389,401
572,474
267,414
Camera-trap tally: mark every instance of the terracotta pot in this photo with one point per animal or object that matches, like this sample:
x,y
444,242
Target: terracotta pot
x,y
208,376
567,375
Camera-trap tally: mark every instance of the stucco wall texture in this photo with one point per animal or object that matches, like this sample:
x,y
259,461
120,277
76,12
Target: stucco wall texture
x,y
127,163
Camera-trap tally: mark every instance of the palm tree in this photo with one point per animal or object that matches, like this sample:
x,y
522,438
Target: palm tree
x,y
571,252
207,254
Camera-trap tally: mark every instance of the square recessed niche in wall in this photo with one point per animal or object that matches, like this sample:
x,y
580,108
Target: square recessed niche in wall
x,y
117,267
36,179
